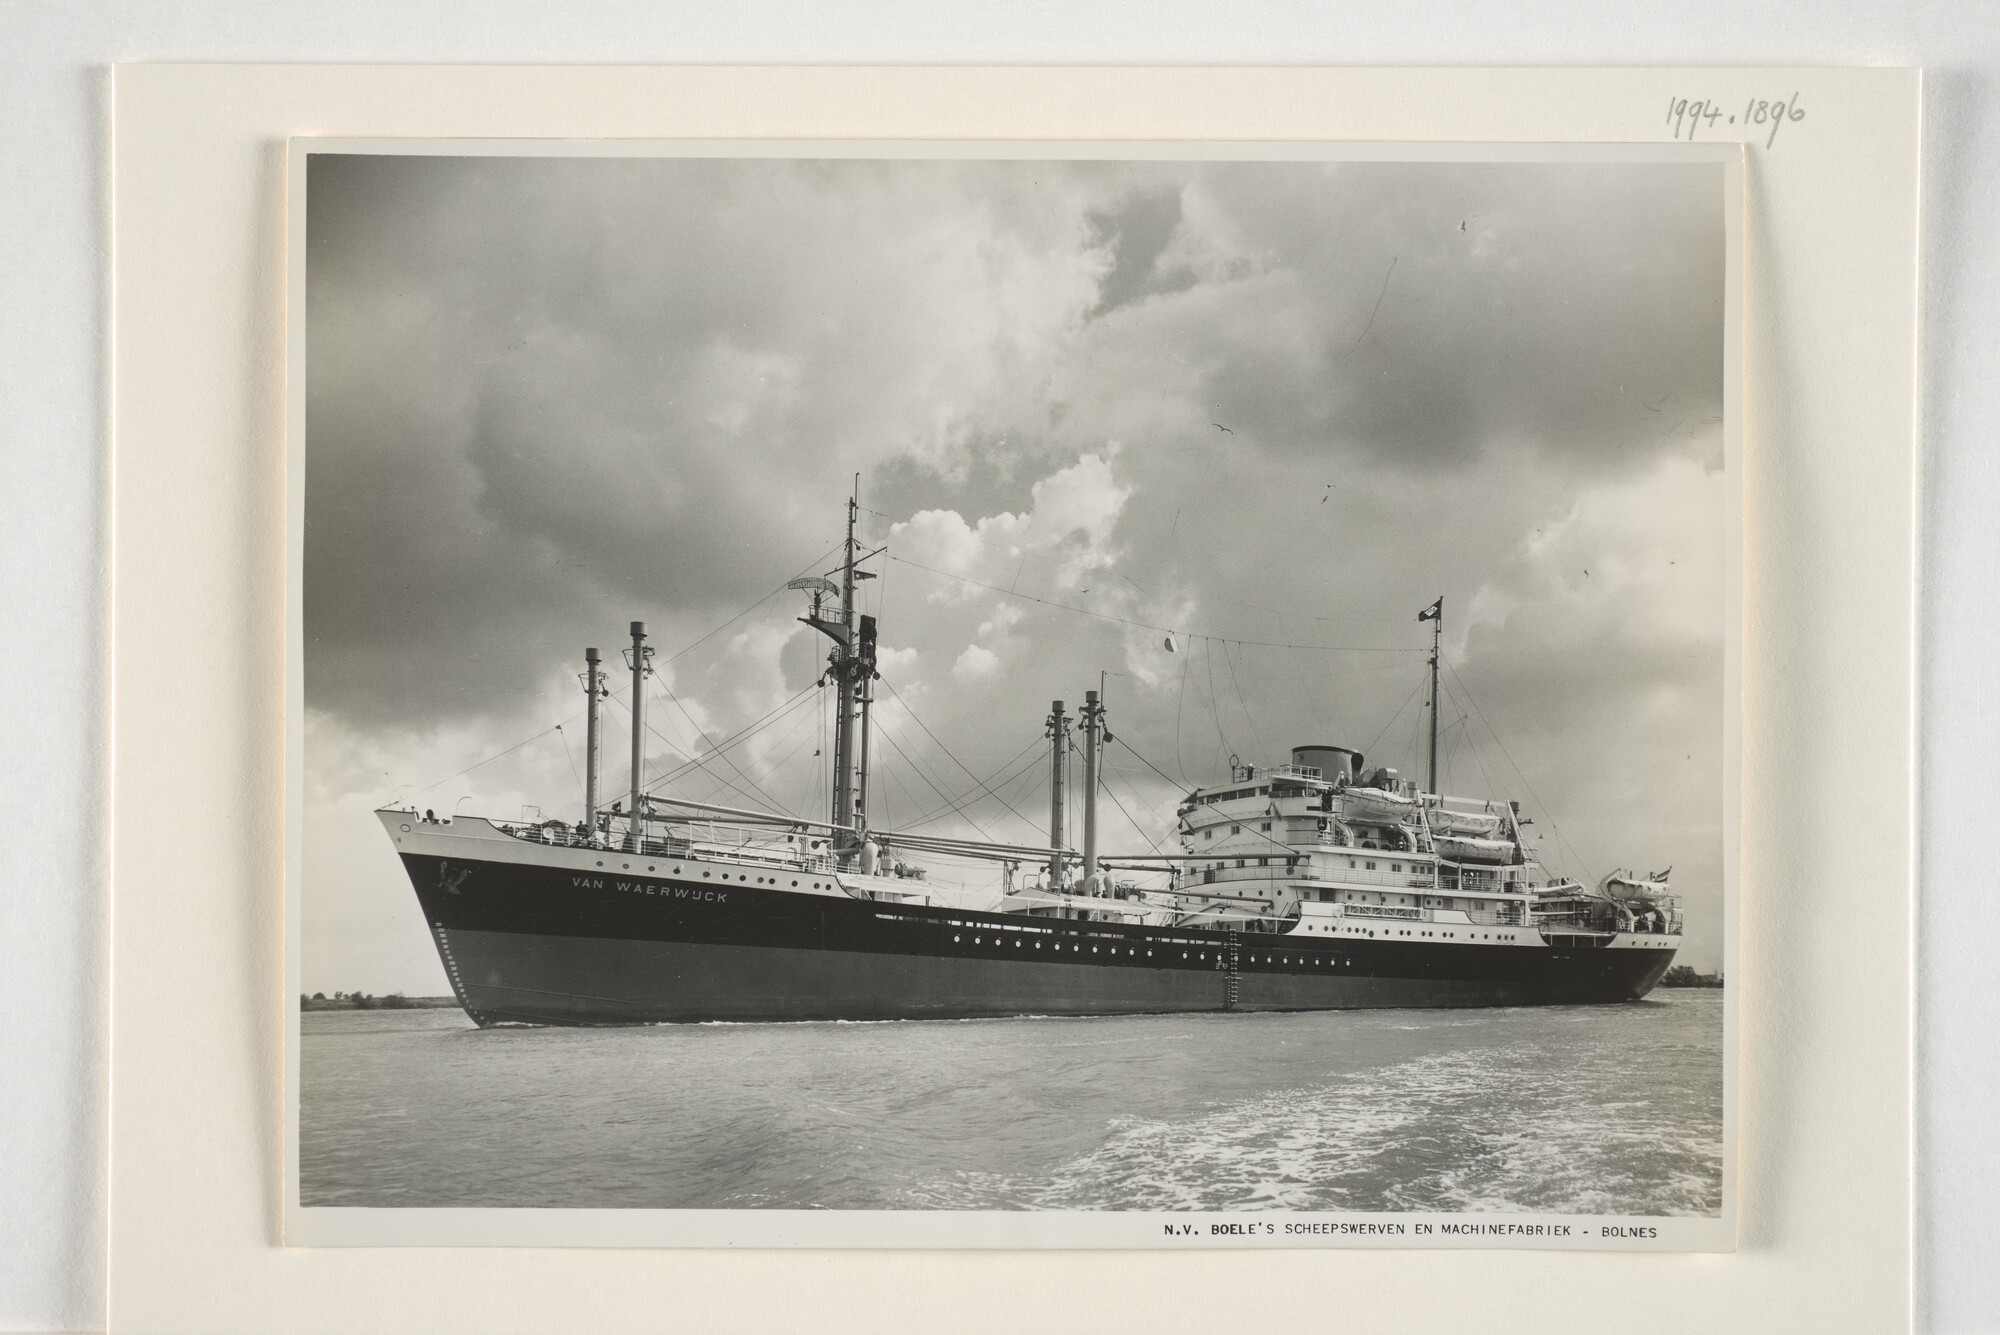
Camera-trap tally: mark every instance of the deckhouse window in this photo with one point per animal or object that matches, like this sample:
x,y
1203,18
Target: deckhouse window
x,y
1267,827
1236,829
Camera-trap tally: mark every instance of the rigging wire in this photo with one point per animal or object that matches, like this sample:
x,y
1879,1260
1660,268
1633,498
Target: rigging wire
x,y
802,570
496,755
574,772
1147,625
702,736
1180,701
1112,794
691,765
1546,813
1255,737
1208,653
1393,717
676,655
940,745
890,737
1035,777
1415,748
745,733
987,787
799,724
1119,738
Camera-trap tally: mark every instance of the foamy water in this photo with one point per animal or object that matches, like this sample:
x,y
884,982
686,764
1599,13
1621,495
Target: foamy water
x,y
1587,1110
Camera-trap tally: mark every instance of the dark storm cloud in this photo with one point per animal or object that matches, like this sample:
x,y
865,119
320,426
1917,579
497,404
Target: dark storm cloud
x,y
1422,312
550,395
1139,230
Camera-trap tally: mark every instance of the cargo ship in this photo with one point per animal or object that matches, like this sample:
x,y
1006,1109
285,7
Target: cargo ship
x,y
1317,883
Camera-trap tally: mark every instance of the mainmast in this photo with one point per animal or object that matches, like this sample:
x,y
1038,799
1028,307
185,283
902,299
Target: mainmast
x,y
1435,615
594,692
640,657
1093,728
864,686
843,680
1058,733
851,664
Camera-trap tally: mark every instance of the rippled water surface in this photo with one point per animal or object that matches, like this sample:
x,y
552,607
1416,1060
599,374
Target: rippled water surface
x,y
1586,1110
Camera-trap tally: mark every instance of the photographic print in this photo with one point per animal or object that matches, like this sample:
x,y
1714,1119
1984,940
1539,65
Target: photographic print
x,y
1029,694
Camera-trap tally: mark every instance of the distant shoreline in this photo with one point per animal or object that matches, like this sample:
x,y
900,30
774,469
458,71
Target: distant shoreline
x,y
1682,975
361,1001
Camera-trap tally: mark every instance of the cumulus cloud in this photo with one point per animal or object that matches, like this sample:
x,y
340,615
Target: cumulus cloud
x,y
1066,531
975,664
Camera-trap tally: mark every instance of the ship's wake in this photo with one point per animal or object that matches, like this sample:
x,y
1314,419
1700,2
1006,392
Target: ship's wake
x,y
1460,1132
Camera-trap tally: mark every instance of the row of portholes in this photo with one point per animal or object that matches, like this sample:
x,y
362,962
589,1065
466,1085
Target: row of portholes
x,y
1203,955
1058,945
675,871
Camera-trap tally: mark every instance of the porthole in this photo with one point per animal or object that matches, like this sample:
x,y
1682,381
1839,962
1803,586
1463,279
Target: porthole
x,y
406,829
600,864
650,867
704,875
626,865
954,938
795,883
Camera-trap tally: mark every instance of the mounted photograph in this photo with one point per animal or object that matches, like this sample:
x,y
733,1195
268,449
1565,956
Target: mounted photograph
x,y
919,694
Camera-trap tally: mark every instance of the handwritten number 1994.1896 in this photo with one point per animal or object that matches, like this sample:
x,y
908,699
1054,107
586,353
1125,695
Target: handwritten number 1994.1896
x,y
1690,116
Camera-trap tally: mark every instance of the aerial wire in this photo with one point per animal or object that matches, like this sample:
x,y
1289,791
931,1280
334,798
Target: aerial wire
x,y
1146,625
574,772
1546,812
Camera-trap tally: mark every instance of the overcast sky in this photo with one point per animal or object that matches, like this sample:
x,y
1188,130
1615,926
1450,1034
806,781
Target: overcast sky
x,y
1253,404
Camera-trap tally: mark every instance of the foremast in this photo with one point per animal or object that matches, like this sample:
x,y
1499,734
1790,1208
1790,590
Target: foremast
x,y
851,668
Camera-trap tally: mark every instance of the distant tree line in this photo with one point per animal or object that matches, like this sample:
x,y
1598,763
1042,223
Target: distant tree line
x,y
1682,975
361,1001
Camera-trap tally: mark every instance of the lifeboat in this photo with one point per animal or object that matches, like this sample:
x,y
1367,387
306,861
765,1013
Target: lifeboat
x,y
1625,886
1376,806
1479,825
1467,848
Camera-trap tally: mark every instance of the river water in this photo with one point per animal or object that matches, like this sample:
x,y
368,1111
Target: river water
x,y
1571,1110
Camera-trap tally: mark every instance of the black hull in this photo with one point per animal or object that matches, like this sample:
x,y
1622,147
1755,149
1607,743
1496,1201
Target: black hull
x,y
543,945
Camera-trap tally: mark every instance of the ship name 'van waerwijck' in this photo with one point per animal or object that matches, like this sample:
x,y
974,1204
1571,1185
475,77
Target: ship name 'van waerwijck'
x,y
1315,884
